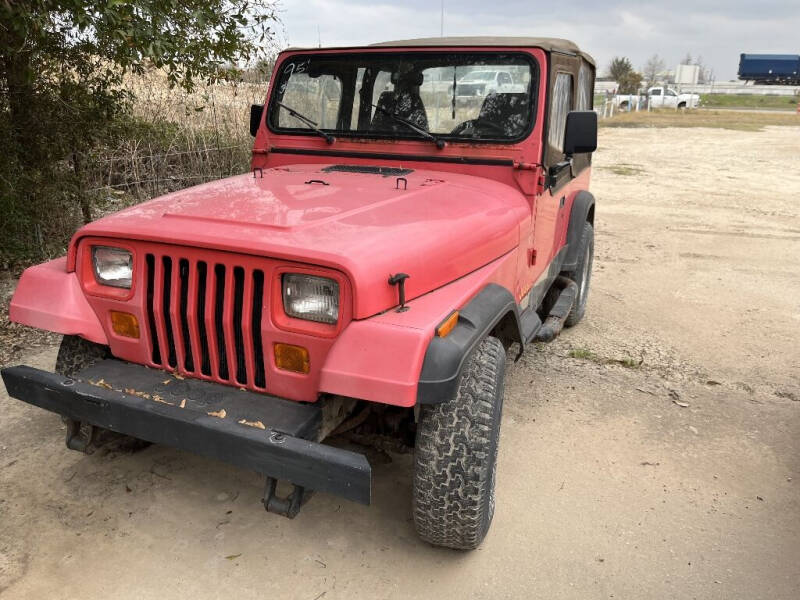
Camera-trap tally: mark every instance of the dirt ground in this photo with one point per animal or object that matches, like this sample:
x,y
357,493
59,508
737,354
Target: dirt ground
x,y
651,452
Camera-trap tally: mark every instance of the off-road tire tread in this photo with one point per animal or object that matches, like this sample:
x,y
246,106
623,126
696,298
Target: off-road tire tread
x,y
579,309
76,353
456,455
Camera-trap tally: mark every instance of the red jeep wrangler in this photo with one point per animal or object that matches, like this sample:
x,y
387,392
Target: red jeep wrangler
x,y
403,224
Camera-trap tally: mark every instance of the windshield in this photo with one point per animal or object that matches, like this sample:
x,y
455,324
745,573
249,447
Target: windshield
x,y
415,95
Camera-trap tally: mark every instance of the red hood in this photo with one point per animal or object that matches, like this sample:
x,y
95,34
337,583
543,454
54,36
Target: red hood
x,y
440,228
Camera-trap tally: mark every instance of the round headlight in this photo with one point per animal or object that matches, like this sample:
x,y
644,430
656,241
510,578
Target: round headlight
x,y
112,266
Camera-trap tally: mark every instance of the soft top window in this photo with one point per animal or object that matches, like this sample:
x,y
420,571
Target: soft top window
x,y
425,95
559,107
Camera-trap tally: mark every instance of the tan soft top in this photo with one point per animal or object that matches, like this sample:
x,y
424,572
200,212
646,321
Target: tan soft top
x,y
548,44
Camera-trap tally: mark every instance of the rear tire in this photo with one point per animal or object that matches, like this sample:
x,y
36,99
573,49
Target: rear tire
x,y
582,275
456,454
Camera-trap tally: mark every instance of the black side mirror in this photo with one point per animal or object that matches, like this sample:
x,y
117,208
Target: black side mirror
x,y
256,111
580,137
580,133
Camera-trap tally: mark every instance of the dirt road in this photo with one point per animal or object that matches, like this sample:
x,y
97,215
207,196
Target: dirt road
x,y
651,452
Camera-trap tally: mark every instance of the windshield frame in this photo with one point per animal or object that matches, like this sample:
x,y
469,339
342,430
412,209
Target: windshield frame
x,y
482,53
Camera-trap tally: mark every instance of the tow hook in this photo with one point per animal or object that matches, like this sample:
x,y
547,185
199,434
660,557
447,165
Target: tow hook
x,y
290,505
286,507
78,437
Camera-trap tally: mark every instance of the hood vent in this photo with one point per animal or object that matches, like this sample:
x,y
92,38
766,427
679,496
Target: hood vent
x,y
368,169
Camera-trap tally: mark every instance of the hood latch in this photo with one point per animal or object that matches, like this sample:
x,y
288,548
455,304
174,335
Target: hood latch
x,y
399,280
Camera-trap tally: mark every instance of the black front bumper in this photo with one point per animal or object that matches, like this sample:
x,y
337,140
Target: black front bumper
x,y
154,406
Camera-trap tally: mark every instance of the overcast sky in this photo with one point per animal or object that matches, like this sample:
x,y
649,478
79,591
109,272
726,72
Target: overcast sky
x,y
717,30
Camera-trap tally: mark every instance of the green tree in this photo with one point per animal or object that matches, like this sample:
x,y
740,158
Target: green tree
x,y
62,64
621,70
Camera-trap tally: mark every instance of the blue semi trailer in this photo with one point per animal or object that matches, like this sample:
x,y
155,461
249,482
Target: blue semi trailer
x,y
783,69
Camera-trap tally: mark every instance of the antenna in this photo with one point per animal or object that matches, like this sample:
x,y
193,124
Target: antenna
x,y
319,39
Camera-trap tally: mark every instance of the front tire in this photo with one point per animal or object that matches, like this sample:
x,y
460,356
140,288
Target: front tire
x,y
582,275
76,353
456,454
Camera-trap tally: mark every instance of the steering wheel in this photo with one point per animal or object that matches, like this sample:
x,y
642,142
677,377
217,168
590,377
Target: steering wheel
x,y
477,124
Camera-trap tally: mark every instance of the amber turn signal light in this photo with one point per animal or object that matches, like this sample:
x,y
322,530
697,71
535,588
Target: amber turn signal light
x,y
292,358
125,324
448,324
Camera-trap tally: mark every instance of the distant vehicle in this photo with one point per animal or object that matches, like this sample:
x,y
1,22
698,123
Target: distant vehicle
x,y
774,69
658,97
483,83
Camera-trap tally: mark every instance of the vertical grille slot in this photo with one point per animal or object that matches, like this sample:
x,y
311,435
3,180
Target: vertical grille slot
x,y
167,296
183,272
258,307
202,278
238,333
219,306
150,261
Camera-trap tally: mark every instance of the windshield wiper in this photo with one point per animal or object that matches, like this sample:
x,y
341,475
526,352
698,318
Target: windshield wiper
x,y
311,124
426,134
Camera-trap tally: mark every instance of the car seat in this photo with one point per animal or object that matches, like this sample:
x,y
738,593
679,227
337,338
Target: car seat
x,y
404,102
509,112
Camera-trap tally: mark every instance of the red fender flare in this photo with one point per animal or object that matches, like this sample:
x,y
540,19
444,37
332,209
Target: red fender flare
x,y
50,298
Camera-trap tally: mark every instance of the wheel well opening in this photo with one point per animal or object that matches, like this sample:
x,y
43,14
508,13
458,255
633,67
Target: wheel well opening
x,y
590,215
507,330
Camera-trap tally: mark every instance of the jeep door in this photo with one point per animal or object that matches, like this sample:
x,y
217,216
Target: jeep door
x,y
570,87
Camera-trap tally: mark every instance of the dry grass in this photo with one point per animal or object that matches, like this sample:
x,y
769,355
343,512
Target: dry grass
x,y
223,107
721,119
177,139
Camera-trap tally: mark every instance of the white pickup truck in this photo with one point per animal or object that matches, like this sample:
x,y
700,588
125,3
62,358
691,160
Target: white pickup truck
x,y
658,97
483,83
